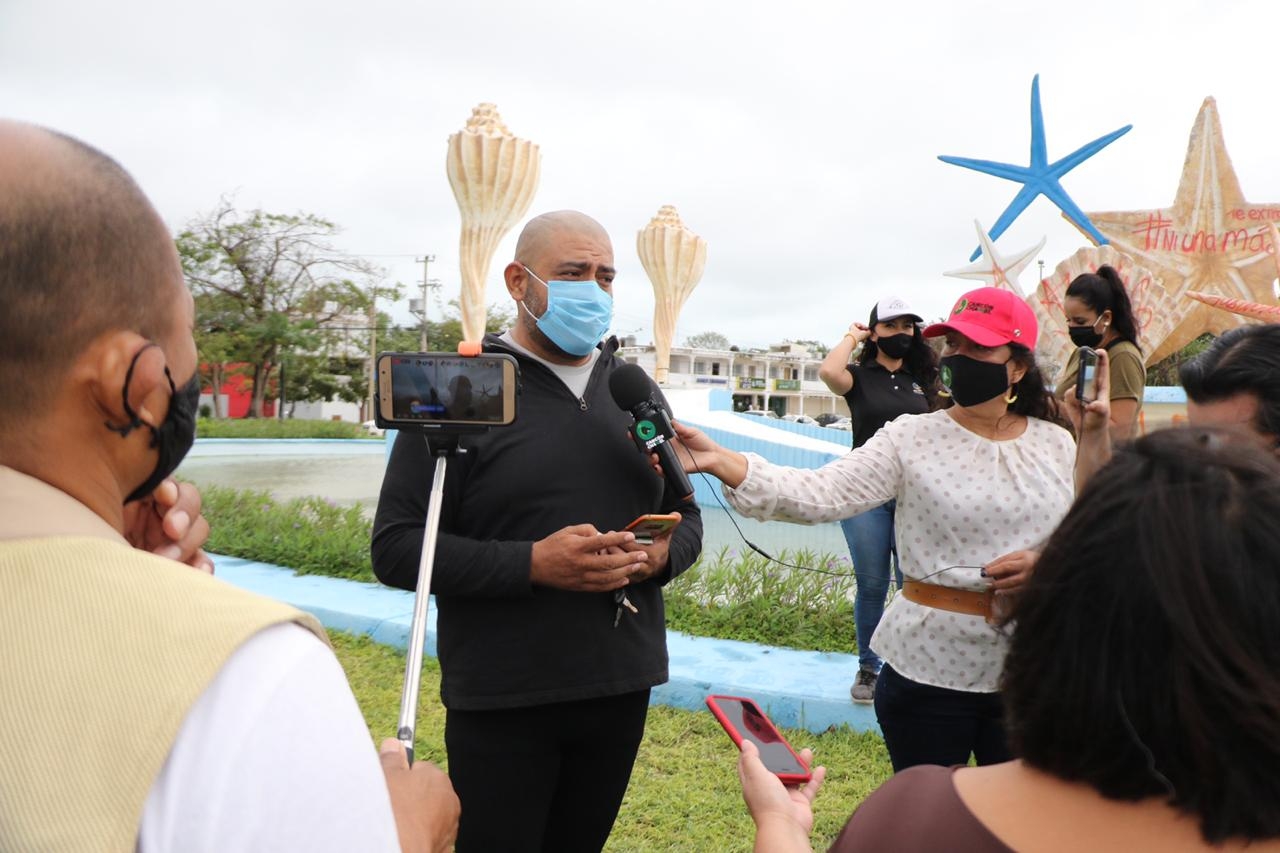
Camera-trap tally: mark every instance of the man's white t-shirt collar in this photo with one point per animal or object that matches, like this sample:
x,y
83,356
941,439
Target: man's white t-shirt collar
x,y
574,376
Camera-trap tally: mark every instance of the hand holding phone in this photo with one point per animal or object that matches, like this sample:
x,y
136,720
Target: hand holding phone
x,y
1086,376
646,527
743,720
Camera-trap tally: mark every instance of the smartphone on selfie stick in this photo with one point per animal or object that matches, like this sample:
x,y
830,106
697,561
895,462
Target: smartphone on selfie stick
x,y
443,396
1087,376
743,720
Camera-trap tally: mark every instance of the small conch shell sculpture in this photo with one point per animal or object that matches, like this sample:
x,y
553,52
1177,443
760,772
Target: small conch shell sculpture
x,y
1154,310
494,176
674,257
1265,313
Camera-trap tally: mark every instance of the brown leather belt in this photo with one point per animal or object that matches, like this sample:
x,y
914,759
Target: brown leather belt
x,y
951,599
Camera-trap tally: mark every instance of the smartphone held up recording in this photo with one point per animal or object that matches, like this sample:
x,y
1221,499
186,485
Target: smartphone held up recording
x,y
743,720
1087,376
442,390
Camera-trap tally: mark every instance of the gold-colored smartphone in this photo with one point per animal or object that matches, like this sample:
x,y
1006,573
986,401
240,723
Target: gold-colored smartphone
x,y
443,389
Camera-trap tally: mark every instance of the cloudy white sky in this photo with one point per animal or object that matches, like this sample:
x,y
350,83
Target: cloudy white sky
x,y
800,139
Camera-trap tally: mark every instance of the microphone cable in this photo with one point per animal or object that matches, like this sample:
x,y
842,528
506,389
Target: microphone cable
x,y
715,492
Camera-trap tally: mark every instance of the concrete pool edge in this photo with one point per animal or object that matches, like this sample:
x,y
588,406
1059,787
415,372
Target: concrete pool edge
x,y
806,690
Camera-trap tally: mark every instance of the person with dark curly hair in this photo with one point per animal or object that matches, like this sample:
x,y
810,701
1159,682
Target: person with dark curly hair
x,y
895,374
1141,686
1100,316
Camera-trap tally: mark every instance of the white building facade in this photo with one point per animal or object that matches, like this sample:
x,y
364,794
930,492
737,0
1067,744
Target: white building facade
x,y
783,378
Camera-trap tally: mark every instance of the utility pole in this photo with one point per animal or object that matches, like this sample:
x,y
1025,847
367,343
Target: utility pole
x,y
426,261
373,350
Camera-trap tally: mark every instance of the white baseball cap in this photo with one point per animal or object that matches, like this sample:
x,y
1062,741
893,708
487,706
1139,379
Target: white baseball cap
x,y
891,308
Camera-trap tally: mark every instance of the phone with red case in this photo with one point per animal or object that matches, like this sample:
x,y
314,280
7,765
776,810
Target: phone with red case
x,y
646,527
744,720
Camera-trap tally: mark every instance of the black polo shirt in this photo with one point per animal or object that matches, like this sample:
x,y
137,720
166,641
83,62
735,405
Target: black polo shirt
x,y
878,396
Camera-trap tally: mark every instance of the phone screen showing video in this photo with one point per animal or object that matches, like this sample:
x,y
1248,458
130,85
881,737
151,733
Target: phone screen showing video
x,y
753,725
435,388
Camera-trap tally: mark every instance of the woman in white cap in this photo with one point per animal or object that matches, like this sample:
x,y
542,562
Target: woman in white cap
x,y
895,374
977,486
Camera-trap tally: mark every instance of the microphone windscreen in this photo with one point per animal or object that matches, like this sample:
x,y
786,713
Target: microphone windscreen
x,y
630,386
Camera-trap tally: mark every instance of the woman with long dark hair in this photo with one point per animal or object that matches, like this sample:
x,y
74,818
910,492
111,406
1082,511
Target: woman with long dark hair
x,y
895,374
1100,316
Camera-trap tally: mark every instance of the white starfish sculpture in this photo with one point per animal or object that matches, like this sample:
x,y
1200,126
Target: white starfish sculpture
x,y
995,270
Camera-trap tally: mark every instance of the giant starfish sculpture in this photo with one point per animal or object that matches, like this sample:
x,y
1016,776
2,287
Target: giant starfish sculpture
x,y
1041,177
1210,241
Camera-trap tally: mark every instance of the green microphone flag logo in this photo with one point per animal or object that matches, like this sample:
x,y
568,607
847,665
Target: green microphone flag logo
x,y
645,430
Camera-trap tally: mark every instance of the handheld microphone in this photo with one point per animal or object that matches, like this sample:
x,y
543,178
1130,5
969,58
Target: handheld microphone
x,y
635,392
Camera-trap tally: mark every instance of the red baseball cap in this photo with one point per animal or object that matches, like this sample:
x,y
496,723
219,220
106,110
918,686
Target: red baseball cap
x,y
990,317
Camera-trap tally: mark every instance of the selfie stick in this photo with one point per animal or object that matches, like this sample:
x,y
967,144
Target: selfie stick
x,y
418,630
446,445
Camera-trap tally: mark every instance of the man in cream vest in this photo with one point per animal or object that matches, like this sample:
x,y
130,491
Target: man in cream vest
x,y
146,705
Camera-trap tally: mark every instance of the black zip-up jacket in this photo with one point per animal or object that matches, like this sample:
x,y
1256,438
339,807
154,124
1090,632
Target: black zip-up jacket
x,y
504,642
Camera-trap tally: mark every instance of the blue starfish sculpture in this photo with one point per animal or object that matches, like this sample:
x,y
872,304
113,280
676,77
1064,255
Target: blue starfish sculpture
x,y
1041,177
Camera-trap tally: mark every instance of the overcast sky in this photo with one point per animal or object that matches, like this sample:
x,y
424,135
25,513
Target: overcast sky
x,y
800,139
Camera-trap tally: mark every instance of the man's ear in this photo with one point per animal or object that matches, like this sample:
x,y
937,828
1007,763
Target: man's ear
x,y
517,280
120,363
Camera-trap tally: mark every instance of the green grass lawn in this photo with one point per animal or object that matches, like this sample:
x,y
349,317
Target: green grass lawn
x,y
684,793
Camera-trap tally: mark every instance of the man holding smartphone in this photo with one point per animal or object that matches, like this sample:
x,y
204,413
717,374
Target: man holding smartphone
x,y
550,614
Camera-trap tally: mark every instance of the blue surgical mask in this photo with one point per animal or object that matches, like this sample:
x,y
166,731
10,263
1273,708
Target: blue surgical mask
x,y
577,316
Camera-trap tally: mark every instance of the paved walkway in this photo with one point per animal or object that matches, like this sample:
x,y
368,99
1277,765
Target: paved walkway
x,y
808,690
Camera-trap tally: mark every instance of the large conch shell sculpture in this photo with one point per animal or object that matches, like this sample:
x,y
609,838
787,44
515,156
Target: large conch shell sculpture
x,y
494,176
1155,311
674,257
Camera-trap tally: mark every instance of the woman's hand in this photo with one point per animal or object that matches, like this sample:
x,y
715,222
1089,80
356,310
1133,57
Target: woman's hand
x,y
1009,572
859,332
699,454
1095,415
783,816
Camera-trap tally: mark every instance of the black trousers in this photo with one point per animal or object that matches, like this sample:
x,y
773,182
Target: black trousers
x,y
546,778
933,725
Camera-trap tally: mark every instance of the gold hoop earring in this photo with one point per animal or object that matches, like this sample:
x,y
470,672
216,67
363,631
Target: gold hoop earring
x,y
1009,401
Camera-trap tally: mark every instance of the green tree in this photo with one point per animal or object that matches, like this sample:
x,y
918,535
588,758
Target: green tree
x,y
707,340
1166,372
443,335
271,282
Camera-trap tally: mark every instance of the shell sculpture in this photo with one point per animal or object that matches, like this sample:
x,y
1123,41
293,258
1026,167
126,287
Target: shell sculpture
x,y
1265,313
674,257
494,176
1156,312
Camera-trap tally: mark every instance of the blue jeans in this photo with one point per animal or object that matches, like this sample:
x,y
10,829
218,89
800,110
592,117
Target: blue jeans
x,y
871,544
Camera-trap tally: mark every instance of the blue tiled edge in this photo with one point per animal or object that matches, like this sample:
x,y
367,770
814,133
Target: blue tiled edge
x,y
808,690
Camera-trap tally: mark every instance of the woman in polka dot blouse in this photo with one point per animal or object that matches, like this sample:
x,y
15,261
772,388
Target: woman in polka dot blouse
x,y
978,485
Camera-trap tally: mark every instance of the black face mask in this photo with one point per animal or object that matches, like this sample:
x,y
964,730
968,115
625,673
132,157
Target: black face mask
x,y
971,381
1084,336
174,437
895,346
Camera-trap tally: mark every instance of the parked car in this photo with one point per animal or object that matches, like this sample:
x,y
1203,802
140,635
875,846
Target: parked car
x,y
800,419
761,413
827,418
845,424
